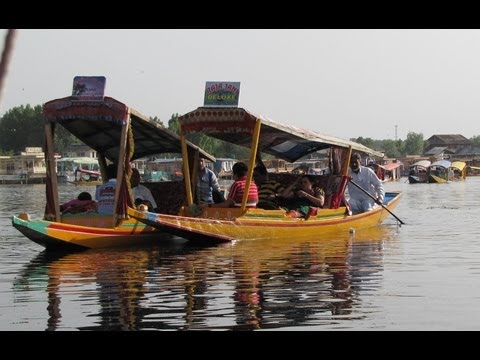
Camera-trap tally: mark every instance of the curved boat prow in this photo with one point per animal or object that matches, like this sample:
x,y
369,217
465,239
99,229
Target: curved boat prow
x,y
70,234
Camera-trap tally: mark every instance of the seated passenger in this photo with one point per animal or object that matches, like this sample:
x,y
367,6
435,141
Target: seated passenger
x,y
141,194
268,190
301,195
105,193
237,189
83,203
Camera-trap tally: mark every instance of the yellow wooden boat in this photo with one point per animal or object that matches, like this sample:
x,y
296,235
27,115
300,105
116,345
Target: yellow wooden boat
x,y
438,172
262,135
119,134
229,224
458,171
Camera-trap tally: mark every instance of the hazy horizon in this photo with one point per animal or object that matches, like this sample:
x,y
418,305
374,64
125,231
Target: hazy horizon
x,y
347,83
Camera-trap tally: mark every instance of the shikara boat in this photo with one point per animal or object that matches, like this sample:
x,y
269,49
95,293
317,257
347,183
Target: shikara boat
x,y
261,135
438,172
119,134
77,170
417,173
86,177
473,170
457,171
388,172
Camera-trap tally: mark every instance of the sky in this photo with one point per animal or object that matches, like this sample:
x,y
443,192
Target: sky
x,y
348,83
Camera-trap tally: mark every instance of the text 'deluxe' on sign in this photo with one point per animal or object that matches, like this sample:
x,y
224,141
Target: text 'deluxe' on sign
x,y
221,94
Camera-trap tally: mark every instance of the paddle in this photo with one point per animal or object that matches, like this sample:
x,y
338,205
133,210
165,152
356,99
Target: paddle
x,y
366,192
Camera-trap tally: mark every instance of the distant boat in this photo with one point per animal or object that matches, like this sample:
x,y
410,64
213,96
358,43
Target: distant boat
x,y
68,169
417,173
438,171
473,170
223,168
458,171
87,177
388,172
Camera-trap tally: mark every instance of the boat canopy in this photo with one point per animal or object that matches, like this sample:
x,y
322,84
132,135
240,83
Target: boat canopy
x,y
423,163
236,126
460,165
443,163
79,160
118,133
98,124
391,166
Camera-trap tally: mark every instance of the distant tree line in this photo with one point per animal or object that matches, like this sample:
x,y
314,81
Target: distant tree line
x,y
23,126
413,145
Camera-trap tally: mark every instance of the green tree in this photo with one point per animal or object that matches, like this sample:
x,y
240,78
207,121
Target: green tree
x,y
20,127
23,126
475,140
368,142
6,153
157,120
400,146
63,139
414,144
173,124
390,148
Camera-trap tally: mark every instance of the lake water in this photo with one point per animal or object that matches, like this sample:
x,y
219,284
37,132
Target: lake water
x,y
424,275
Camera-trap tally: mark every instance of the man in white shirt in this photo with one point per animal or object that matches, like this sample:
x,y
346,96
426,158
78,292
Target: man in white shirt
x,y
366,178
141,194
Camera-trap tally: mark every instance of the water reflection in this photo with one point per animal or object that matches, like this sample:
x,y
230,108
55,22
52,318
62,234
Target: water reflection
x,y
243,286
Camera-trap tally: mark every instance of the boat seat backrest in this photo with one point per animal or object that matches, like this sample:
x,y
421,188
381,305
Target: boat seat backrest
x,y
170,196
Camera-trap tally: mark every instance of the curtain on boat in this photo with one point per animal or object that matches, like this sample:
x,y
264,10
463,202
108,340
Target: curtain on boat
x,y
49,214
338,159
125,197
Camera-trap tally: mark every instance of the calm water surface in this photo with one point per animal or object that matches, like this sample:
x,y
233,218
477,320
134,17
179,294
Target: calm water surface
x,y
424,275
